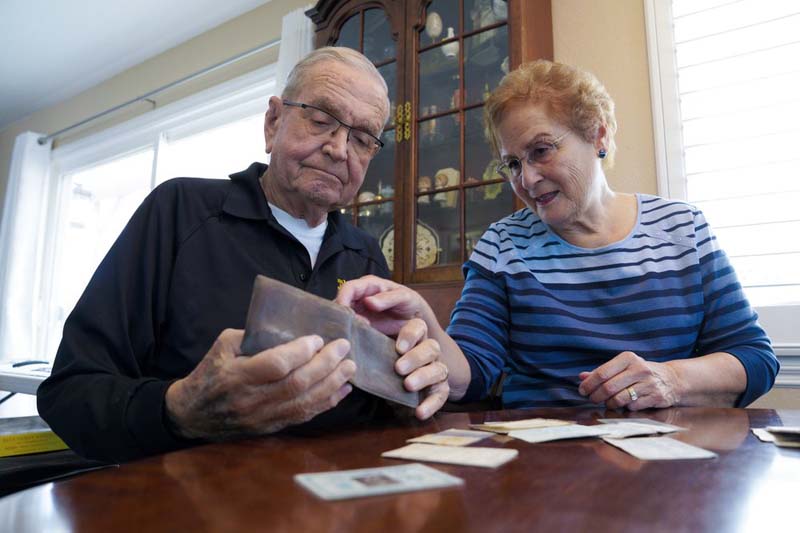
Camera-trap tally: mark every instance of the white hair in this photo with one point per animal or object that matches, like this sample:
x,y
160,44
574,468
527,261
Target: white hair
x,y
299,74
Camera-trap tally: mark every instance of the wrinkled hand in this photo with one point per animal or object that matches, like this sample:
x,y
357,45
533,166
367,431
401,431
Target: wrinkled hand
x,y
386,305
629,381
227,395
419,363
396,310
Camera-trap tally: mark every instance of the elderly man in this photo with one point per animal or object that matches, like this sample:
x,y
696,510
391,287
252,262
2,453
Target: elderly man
x,y
147,364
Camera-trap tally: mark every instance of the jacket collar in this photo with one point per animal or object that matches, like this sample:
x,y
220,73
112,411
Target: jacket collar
x,y
246,200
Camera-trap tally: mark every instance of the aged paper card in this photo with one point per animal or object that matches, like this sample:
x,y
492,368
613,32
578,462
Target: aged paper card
x,y
660,449
573,431
663,427
453,437
375,481
528,423
474,456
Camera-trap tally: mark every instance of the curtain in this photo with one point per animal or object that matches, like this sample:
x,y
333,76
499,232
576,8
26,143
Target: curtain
x,y
297,32
21,237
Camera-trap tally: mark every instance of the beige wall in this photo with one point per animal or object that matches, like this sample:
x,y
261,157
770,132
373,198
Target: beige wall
x,y
243,33
607,37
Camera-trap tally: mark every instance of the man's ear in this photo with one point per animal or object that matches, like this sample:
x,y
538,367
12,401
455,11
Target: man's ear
x,y
272,120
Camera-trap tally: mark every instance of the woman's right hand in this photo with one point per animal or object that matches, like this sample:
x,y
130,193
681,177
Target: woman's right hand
x,y
385,304
398,311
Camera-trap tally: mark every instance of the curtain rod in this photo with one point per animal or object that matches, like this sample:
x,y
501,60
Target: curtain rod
x,y
238,57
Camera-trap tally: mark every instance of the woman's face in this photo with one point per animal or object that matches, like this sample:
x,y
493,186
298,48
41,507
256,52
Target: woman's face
x,y
561,173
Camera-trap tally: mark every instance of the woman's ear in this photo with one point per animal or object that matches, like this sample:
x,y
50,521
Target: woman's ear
x,y
600,139
272,120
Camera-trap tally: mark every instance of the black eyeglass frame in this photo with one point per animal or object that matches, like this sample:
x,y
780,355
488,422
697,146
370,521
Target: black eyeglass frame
x,y
350,128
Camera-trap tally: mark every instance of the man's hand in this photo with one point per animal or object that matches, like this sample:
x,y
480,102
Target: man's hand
x,y
396,310
227,396
629,381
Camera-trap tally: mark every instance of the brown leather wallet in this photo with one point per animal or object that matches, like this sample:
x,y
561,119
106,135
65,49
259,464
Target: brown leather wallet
x,y
280,313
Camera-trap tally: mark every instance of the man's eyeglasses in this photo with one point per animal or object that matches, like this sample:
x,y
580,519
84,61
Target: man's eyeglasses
x,y
541,153
322,123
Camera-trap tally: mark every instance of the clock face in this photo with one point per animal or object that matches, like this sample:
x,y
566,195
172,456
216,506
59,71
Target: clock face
x,y
433,25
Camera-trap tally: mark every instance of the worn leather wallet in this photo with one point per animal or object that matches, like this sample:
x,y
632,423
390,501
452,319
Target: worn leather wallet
x,y
280,313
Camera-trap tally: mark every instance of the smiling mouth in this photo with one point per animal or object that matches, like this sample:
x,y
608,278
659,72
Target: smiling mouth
x,y
546,198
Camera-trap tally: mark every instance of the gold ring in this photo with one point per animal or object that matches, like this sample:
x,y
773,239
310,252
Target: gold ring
x,y
633,394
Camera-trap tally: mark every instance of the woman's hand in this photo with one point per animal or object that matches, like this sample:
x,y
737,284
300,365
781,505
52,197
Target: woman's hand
x,y
385,304
629,381
429,359
421,367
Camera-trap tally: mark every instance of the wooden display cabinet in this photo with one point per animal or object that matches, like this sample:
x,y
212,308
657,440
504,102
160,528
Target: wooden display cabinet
x,y
432,191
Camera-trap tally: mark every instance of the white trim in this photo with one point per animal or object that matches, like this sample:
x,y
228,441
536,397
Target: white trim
x,y
232,99
789,357
667,132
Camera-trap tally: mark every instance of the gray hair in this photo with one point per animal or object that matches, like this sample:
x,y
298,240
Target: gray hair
x,y
299,74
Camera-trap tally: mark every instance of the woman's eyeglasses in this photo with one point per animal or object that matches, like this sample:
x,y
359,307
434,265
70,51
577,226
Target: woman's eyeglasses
x,y
322,123
541,153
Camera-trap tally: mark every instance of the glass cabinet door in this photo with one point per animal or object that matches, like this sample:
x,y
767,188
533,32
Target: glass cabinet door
x,y
368,30
432,191
461,53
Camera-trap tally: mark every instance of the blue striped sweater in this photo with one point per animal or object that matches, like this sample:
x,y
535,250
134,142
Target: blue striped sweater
x,y
543,310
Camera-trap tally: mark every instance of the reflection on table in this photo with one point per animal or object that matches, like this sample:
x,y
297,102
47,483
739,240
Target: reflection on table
x,y
583,484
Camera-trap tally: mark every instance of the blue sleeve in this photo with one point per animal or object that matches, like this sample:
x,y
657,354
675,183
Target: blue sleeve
x,y
729,323
479,325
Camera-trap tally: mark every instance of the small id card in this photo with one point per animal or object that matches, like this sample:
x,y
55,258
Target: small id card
x,y
346,484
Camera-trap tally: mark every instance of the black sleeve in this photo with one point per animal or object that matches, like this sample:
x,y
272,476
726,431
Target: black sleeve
x,y
378,265
98,398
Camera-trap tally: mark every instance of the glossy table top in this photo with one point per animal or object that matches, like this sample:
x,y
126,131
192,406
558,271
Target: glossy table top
x,y
578,485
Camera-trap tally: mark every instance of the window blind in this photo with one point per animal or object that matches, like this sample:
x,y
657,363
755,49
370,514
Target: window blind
x,y
738,82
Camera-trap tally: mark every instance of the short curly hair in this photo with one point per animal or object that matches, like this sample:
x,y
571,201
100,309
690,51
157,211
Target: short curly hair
x,y
572,96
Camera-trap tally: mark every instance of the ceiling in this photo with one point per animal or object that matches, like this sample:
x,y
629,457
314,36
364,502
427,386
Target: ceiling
x,y
51,50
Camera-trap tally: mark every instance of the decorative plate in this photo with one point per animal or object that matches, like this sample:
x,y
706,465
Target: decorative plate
x,y
427,245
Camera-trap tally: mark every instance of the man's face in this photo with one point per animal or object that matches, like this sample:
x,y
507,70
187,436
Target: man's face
x,y
311,173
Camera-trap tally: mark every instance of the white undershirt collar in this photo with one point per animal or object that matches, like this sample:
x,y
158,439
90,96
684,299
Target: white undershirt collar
x,y
309,237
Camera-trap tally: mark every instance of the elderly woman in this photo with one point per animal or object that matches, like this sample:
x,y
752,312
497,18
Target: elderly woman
x,y
587,295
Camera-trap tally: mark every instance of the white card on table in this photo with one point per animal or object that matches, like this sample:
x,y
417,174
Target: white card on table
x,y
375,481
785,436
663,426
763,435
660,449
573,431
788,430
528,423
473,456
623,430
453,437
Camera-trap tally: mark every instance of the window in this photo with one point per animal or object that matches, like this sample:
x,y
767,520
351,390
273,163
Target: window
x,y
101,180
725,82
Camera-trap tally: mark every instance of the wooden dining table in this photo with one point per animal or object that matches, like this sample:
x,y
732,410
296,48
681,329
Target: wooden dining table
x,y
572,485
